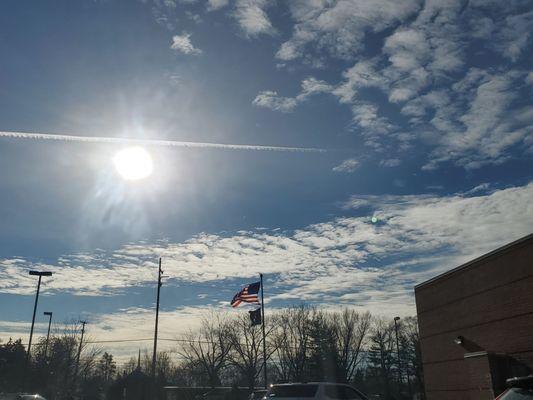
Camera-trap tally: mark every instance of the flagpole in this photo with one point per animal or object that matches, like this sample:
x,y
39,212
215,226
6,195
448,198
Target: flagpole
x,y
264,336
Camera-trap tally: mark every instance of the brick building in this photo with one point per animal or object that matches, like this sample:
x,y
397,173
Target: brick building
x,y
476,324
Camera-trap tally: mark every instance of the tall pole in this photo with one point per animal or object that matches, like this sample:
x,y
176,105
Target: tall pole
x,y
79,350
264,335
154,356
48,334
40,274
396,319
33,318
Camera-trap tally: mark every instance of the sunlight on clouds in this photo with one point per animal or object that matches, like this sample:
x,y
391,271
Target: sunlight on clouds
x,y
345,253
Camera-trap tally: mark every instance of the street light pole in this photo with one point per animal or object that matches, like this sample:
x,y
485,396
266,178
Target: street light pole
x,y
396,319
40,274
49,313
159,284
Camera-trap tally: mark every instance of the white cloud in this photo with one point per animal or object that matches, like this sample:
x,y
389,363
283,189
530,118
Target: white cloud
x,y
339,28
529,78
349,165
488,128
131,323
362,74
252,17
515,35
391,162
372,125
371,262
271,99
182,43
419,69
428,233
213,5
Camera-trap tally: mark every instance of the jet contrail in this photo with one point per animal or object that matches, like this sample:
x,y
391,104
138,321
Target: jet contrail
x,y
154,142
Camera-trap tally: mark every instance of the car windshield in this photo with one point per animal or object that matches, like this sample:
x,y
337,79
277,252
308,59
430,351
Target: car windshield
x,y
293,391
518,394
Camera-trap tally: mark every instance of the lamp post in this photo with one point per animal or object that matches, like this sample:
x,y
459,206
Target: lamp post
x,y
396,319
40,274
49,313
154,355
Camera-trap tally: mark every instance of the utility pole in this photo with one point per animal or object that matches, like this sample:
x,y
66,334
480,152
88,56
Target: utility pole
x,y
49,313
396,319
40,274
159,284
264,336
79,351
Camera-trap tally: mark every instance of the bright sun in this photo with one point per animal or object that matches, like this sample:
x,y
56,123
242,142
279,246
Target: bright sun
x,y
133,163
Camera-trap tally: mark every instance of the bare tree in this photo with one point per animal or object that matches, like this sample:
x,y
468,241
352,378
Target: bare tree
x,y
247,348
292,342
381,360
411,354
208,347
351,330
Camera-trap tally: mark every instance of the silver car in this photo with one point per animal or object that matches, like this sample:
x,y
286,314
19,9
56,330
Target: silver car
x,y
314,390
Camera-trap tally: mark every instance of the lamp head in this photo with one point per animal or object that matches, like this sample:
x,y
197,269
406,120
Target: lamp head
x,y
48,313
41,273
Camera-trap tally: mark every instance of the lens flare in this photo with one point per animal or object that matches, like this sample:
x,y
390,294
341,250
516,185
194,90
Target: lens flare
x,y
133,163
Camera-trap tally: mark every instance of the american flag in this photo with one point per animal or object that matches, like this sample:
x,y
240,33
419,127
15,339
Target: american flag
x,y
250,294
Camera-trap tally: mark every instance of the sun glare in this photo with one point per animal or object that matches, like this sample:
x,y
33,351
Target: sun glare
x,y
133,163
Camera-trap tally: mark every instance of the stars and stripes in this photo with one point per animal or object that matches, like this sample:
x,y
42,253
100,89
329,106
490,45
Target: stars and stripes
x,y
249,294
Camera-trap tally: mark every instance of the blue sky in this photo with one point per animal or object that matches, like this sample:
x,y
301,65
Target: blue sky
x,y
423,109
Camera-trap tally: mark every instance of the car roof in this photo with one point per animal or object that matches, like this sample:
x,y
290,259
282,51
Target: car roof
x,y
309,383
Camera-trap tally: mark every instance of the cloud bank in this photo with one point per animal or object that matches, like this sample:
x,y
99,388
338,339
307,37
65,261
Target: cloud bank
x,y
398,242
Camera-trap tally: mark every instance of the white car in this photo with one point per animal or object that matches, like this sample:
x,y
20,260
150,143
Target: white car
x,y
314,390
20,396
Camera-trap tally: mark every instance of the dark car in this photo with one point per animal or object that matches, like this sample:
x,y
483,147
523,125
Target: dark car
x,y
520,388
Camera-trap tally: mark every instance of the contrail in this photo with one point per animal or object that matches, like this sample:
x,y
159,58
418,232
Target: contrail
x,y
154,142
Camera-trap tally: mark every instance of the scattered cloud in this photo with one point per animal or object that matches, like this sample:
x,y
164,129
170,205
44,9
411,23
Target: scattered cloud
x,y
391,162
466,115
252,17
514,35
339,28
182,43
213,5
414,237
349,165
271,99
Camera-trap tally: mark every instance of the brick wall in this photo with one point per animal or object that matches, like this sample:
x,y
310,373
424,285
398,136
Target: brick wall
x,y
489,302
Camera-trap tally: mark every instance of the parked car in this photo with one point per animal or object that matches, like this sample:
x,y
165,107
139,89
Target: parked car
x,y
314,390
520,388
257,394
20,396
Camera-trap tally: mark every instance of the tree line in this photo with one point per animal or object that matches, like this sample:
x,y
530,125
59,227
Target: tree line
x,y
303,344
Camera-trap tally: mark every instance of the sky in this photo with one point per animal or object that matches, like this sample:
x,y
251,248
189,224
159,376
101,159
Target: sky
x,y
421,112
